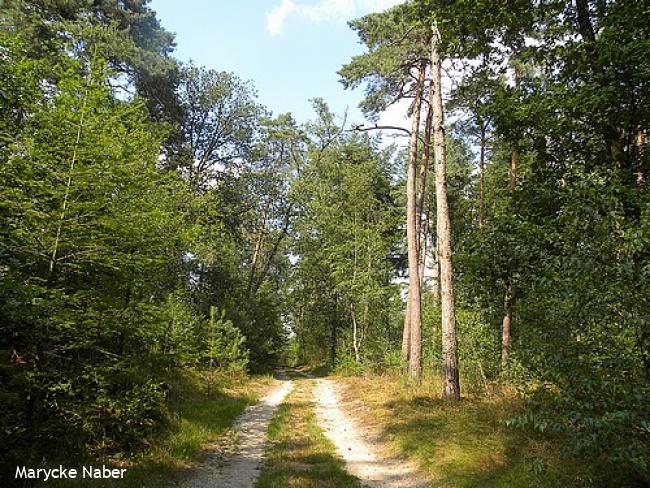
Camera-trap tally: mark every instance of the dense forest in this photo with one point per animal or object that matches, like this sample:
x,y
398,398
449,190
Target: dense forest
x,y
155,217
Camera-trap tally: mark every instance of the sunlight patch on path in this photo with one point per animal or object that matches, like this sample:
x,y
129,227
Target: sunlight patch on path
x,y
363,461
239,467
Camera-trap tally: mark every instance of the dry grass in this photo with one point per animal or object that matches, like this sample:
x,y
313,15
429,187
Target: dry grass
x,y
463,444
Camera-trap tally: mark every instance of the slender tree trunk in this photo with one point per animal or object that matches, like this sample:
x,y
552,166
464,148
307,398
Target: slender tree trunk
x,y
257,251
333,344
436,276
506,324
414,315
507,321
355,345
333,335
406,333
259,280
424,168
451,381
68,187
365,326
355,333
481,168
422,222
611,133
584,21
424,248
301,347
641,156
434,252
514,169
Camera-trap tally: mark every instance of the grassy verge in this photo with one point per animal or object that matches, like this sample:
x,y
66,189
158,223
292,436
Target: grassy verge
x,y
465,444
199,412
300,455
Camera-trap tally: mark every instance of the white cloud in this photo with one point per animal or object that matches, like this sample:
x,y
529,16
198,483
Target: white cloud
x,y
379,5
323,10
276,17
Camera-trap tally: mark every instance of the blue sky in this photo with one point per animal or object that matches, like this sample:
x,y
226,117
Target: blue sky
x,y
290,49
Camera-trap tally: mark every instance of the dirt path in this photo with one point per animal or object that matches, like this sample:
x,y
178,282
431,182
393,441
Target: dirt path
x,y
362,459
239,467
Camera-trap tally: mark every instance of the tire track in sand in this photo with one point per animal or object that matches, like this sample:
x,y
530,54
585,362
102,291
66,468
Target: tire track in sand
x,y
240,467
369,464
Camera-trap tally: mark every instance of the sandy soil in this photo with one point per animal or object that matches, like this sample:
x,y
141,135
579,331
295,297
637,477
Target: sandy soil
x,y
238,466
363,460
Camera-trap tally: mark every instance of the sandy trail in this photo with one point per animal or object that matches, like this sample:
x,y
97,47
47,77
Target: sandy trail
x,y
370,465
240,467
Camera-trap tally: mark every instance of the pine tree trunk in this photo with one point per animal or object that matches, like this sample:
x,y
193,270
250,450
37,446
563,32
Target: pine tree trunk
x,y
424,248
434,253
422,222
506,323
414,314
424,171
611,133
436,276
406,334
451,381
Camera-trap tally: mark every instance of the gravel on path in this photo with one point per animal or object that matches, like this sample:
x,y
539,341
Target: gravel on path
x,y
239,467
363,460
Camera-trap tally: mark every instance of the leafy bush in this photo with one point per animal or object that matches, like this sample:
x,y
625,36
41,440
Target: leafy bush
x,y
126,408
610,426
347,366
225,344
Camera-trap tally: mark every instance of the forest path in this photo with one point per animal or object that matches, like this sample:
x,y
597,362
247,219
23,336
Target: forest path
x,y
238,466
363,456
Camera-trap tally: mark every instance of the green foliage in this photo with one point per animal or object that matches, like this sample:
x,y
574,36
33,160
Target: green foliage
x,y
172,222
225,344
346,233
568,232
128,34
92,271
346,365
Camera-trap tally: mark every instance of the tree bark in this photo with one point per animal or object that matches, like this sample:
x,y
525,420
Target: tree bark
x,y
514,169
641,157
450,380
434,252
507,320
355,334
436,276
424,165
406,334
333,337
481,168
584,21
424,248
422,223
506,323
611,133
68,187
414,314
